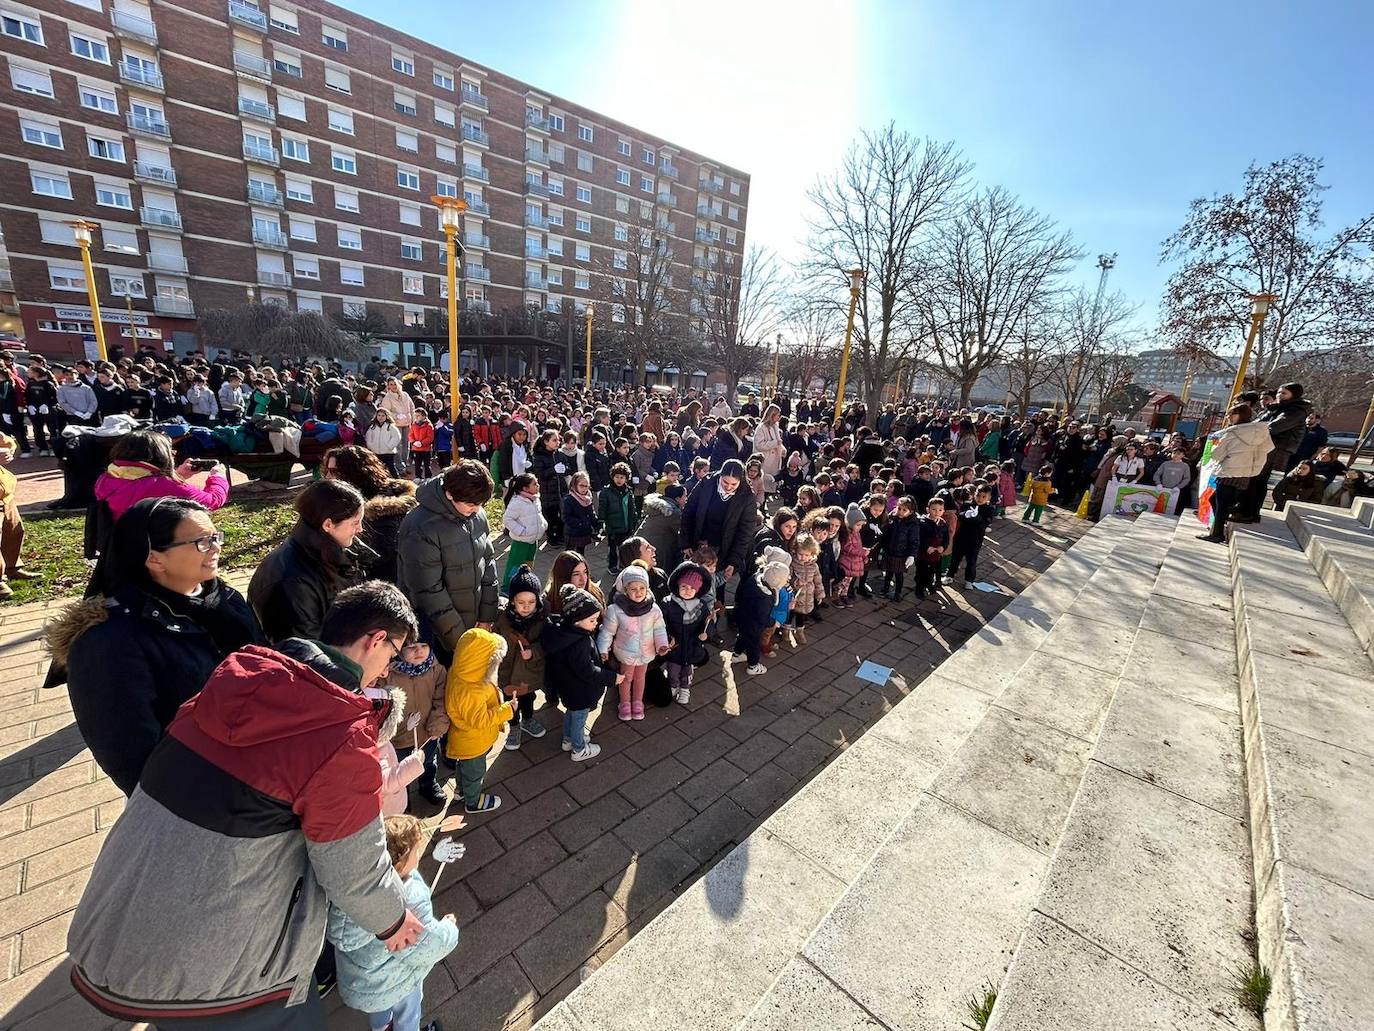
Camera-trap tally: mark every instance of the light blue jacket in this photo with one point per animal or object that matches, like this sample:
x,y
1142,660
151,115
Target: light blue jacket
x,y
370,978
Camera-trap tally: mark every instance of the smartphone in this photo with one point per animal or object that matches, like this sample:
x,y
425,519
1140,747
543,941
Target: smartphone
x,y
202,465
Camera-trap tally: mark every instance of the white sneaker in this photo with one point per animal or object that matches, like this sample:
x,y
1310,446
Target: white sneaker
x,y
736,657
567,745
758,669
590,752
682,695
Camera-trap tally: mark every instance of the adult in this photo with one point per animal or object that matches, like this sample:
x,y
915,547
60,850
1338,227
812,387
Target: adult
x,y
401,407
1240,451
731,443
141,467
1286,419
660,519
332,397
965,450
447,564
293,587
569,568
269,781
386,501
722,514
1300,484
1314,437
780,531
550,467
768,441
869,451
1343,492
157,622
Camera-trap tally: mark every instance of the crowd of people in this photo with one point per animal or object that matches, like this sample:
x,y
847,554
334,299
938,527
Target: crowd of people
x,y
277,742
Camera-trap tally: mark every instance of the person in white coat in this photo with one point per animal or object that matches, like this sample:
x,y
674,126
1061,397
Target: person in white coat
x,y
401,407
1239,451
768,441
384,439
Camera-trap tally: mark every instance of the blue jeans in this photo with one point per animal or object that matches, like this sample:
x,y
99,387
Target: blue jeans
x,y
404,1016
575,728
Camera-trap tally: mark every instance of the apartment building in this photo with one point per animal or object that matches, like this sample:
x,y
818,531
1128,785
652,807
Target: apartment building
x,y
289,152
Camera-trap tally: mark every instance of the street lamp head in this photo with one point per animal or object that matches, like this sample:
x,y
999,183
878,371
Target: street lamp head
x,y
252,296
1259,304
856,279
81,229
587,312
450,210
1106,262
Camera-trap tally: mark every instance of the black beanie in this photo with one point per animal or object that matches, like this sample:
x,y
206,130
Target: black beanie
x,y
577,604
524,582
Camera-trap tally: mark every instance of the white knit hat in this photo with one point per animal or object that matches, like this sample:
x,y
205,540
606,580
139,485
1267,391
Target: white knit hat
x,y
776,575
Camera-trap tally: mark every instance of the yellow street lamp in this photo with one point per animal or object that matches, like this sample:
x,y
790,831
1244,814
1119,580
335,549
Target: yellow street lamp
x,y
81,229
587,386
450,218
1259,308
856,282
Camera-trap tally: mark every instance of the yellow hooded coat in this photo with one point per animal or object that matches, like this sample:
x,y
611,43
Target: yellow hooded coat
x,y
475,708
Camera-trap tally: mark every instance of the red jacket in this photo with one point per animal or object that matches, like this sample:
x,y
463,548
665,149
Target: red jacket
x,y
422,436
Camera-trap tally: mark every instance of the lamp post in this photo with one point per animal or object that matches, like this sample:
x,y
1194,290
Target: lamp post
x,y
587,386
777,354
81,229
1259,308
450,217
856,282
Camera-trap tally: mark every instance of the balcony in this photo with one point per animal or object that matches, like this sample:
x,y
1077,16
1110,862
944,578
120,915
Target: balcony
x,y
160,218
476,206
247,14
262,155
477,241
537,156
167,262
267,236
670,171
250,108
472,134
537,252
473,98
131,26
534,281
158,174
145,125
252,65
174,306
704,236
670,199
261,193
534,220
267,277
536,122
534,189
7,280
701,261
709,186
703,211
668,227
141,78
480,273
476,172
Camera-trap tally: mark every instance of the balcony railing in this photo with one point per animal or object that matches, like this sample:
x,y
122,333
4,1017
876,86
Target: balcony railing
x,y
709,186
473,97
704,236
703,211
475,135
160,217
265,236
669,199
534,250
260,193
262,155
7,281
474,305
267,277
670,171
247,14
476,206
535,220
535,189
143,125
534,282
140,77
537,155
476,172
537,123
131,26
668,227
478,272
253,64
257,109
477,241
167,262
174,306
701,261
144,172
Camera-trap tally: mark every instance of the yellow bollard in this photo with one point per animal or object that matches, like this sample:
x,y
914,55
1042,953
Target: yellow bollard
x,y
1082,512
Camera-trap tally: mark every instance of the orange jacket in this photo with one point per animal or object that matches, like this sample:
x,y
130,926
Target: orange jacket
x,y
422,436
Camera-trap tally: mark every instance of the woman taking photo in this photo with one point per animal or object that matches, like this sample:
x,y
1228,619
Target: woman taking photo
x,y
141,467
387,500
156,624
295,584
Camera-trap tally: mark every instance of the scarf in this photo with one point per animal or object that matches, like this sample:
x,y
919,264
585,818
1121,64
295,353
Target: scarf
x,y
414,669
579,498
690,606
633,608
725,495
521,624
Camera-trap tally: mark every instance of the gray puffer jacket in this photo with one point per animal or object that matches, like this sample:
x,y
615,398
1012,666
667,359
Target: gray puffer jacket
x,y
446,565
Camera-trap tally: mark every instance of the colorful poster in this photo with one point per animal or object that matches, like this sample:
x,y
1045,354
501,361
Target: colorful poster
x,y
1207,478
1127,499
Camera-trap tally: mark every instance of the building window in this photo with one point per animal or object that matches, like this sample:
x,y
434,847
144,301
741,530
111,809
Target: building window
x,y
620,260
21,27
334,37
404,104
52,231
446,153
407,179
121,241
555,186
734,189
296,150
62,277
51,184
345,200
403,64
556,153
556,123
290,107
299,189
284,19
113,196
555,277
408,214
622,233
127,286
583,281
646,185
350,239
584,133
623,148
445,115
555,246
341,121
622,205
584,161
412,250
90,49
98,99
303,229
731,237
337,79
407,141
31,80
583,252
412,283
287,64
583,224
584,195
622,177
732,214
647,156
445,188
305,268
555,219
443,79
109,150
346,163
41,134
313,304
351,275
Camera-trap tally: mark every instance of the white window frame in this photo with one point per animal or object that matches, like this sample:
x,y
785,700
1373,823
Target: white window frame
x,y
624,149
114,148
555,187
582,224
100,93
582,252
41,134
348,238
300,190
622,177
414,210
585,133
555,123
299,146
126,280
15,25
288,104
94,46
412,249
582,281
65,277
407,140
111,240
407,178
583,195
403,64
734,188
416,279
57,178
331,36
357,270
277,17
301,228
114,191
443,79
344,192
341,121
305,267
646,185
37,76
345,162
445,188
345,88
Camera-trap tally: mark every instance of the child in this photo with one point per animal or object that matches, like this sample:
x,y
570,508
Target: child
x,y
618,510
686,613
898,545
579,513
525,523
384,439
521,622
634,630
476,712
952,500
389,986
396,773
782,608
705,556
421,676
968,539
808,500
422,444
932,540
443,442
1006,485
871,533
755,600
806,585
1041,488
574,673
922,488
853,555
817,524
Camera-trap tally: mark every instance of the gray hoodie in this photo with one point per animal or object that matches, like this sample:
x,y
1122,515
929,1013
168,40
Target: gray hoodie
x,y
76,399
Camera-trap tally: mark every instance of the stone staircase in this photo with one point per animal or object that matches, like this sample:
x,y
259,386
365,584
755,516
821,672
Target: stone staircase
x,y
1089,808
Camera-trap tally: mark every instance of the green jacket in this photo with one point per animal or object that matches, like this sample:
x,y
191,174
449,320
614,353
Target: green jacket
x,y
618,509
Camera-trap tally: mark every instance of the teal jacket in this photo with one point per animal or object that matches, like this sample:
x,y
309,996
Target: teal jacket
x,y
618,509
370,978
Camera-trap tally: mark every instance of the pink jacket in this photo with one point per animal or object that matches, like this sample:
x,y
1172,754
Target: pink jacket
x,y
1006,490
853,554
122,492
396,774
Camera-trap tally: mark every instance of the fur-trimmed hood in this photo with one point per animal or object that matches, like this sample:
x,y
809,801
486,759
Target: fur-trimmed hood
x,y
395,499
62,631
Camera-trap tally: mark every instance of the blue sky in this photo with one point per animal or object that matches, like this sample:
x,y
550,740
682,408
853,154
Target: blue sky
x,y
1108,117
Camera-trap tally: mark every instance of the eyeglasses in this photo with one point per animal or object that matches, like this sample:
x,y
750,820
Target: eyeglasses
x,y
202,544
396,649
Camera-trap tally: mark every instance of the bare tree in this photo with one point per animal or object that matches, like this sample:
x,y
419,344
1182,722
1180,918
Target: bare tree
x,y
1029,360
1113,374
874,214
1337,377
1091,330
637,283
1266,240
274,331
812,336
989,267
738,308
366,325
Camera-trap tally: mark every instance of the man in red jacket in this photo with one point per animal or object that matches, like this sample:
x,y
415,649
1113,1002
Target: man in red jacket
x,y
261,805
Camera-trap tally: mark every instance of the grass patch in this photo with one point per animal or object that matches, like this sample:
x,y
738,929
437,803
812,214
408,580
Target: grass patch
x,y
1253,985
980,1007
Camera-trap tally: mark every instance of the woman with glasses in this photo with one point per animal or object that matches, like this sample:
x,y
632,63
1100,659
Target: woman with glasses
x,y
294,585
156,622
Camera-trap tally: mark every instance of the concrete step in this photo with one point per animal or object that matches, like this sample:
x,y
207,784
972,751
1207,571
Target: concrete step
x,y
1144,913
1363,511
735,939
1341,550
1307,709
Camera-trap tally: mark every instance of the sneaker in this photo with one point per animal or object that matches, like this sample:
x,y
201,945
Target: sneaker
x,y
513,738
637,710
433,1025
864,591
24,574
485,804
758,669
736,657
25,454
682,695
590,752
433,794
946,579
567,744
326,984
533,728
6,591
624,711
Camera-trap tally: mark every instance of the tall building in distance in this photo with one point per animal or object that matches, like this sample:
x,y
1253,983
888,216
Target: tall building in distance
x,y
289,151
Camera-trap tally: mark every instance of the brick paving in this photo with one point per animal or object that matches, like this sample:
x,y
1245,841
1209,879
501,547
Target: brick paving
x,y
578,858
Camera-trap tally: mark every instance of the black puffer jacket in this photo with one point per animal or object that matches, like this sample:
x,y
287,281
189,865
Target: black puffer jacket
x,y
598,467
542,462
573,673
132,660
382,519
688,649
447,565
754,602
900,537
579,520
737,531
292,588
1288,423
